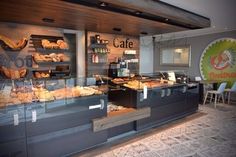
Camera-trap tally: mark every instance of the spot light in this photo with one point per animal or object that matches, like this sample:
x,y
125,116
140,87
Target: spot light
x,y
138,12
48,20
103,4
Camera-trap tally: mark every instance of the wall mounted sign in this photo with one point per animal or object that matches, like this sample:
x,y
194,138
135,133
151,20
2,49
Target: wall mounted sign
x,y
218,60
123,43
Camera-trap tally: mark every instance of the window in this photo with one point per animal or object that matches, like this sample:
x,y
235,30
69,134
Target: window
x,y
175,56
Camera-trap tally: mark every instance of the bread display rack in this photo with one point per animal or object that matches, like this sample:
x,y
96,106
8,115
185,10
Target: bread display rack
x,y
54,60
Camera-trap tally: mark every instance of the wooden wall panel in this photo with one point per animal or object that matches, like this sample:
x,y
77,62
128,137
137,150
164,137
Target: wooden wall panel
x,y
115,53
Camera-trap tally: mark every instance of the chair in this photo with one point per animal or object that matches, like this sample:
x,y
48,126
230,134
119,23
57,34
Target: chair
x,y
219,91
232,89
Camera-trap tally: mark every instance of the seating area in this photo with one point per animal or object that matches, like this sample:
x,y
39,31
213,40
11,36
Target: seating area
x,y
220,94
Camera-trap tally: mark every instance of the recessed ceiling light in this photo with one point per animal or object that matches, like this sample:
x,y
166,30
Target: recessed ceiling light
x,y
103,4
117,29
144,33
138,12
48,20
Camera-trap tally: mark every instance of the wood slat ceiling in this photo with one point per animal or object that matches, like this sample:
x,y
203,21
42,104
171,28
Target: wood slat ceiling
x,y
73,16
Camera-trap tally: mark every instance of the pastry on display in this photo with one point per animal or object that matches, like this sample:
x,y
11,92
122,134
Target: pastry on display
x,y
15,97
59,44
43,94
153,84
117,80
62,93
42,58
134,84
23,97
62,44
13,74
112,108
63,57
52,57
8,44
85,91
38,74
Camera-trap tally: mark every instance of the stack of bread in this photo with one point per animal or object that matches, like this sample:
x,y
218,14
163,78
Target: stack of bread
x,y
59,44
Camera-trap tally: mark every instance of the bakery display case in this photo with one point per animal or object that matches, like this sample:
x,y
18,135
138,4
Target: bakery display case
x,y
167,99
12,122
50,112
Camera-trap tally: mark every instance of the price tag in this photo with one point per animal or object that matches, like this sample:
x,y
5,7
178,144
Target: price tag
x,y
16,119
34,116
145,92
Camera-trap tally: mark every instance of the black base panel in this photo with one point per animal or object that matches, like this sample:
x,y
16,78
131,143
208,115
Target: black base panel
x,y
65,144
112,132
67,117
150,124
13,149
11,132
165,113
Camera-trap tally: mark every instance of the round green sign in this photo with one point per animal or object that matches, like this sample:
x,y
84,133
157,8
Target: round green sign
x,y
218,60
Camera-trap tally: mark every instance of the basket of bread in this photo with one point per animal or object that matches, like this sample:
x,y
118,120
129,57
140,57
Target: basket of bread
x,y
13,73
9,45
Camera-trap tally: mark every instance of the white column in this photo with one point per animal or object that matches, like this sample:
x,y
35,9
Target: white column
x,y
146,55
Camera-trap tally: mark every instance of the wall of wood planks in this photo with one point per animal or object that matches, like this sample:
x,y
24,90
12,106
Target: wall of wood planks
x,y
115,53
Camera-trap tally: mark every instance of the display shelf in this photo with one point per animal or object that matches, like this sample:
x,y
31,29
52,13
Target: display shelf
x,y
52,63
97,53
36,41
95,45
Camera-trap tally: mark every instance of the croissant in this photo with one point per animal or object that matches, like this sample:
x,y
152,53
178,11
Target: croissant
x,y
8,44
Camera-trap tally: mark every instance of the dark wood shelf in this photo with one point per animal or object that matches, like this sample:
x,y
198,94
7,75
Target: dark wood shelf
x,y
43,50
52,63
91,53
98,46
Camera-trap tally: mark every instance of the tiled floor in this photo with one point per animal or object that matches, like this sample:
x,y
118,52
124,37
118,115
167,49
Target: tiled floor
x,y
210,135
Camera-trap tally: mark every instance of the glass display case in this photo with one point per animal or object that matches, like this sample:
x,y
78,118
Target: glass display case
x,y
167,97
42,112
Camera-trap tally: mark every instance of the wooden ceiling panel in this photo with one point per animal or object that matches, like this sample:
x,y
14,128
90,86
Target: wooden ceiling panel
x,y
73,16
